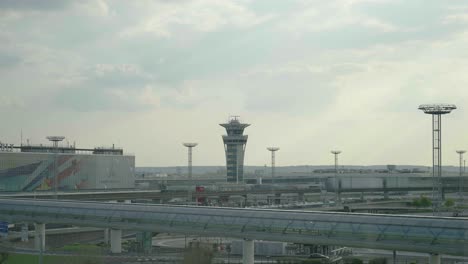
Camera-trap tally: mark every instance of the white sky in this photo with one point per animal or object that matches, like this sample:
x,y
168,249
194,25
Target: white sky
x,y
310,76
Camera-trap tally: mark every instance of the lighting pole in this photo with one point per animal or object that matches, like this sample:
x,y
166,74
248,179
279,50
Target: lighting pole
x,y
237,164
273,150
337,191
55,140
460,181
190,146
437,110
41,250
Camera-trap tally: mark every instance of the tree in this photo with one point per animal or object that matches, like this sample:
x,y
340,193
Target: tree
x,y
3,257
356,261
378,261
312,261
449,202
423,201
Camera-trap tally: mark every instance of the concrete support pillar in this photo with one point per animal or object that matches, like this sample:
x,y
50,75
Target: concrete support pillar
x,y
24,233
144,241
277,198
39,236
244,203
116,240
248,252
434,258
300,197
106,236
338,202
384,185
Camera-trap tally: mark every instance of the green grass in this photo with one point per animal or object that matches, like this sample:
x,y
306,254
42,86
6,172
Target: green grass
x,y
82,248
26,259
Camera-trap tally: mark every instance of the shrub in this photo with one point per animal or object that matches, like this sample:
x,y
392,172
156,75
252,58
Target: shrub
x,y
449,202
422,201
378,261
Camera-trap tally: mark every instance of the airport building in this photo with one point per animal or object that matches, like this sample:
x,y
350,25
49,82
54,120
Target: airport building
x,y
39,167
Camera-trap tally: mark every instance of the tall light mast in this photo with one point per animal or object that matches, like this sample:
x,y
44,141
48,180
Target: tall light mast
x,y
190,146
460,181
437,110
273,150
337,189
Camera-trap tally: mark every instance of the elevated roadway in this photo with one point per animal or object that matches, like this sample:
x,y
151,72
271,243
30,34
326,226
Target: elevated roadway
x,y
434,235
150,194
100,195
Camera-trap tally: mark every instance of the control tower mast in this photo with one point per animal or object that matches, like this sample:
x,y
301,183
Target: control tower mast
x,y
234,146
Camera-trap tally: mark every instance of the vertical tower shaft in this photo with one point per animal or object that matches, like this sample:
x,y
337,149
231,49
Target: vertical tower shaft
x,y
437,110
234,147
460,191
190,146
337,182
460,180
190,162
273,167
437,162
273,150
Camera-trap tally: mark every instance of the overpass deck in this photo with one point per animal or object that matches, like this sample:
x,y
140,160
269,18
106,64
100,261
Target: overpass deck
x,y
99,195
443,235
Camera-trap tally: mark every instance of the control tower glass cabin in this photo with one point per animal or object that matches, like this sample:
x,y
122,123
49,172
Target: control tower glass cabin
x,y
234,146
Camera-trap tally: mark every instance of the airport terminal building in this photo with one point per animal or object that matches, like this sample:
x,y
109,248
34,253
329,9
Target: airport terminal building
x,y
38,167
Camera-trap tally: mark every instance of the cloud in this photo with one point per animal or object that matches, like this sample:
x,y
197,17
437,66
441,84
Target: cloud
x,y
11,102
42,5
197,15
107,87
8,60
331,16
345,73
95,99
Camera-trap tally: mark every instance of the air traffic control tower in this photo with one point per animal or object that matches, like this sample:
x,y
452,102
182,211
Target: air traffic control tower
x,y
234,146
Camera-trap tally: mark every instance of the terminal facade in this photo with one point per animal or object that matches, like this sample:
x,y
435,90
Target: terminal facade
x,y
39,167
